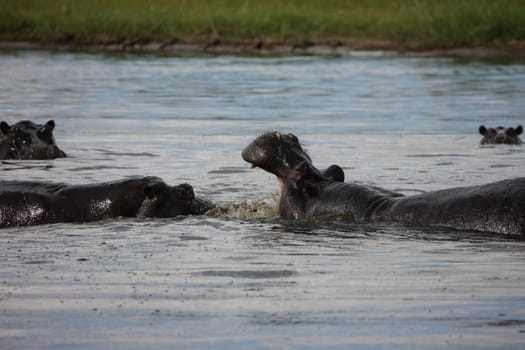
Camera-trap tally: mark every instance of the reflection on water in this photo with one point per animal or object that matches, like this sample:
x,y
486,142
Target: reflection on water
x,y
241,277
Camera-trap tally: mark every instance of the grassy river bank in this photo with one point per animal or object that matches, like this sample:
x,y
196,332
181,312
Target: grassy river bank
x,y
401,25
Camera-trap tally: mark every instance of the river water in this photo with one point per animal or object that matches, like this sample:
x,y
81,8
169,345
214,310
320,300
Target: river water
x,y
243,278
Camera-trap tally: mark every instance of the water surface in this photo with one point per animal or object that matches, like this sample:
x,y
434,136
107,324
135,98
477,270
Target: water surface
x,y
245,278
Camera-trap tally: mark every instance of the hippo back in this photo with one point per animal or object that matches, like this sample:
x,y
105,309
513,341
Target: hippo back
x,y
494,207
32,203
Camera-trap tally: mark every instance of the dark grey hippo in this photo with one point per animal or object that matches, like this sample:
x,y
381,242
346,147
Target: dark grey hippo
x,y
27,140
33,203
307,193
500,135
13,142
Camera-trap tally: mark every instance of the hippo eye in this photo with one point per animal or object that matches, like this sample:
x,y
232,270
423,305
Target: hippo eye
x,y
293,137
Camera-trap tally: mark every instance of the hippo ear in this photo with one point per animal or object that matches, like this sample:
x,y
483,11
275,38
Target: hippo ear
x,y
154,189
335,173
50,124
514,132
48,128
4,127
482,130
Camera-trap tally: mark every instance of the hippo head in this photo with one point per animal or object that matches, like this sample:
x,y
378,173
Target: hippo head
x,y
283,156
16,141
164,201
500,135
276,153
39,141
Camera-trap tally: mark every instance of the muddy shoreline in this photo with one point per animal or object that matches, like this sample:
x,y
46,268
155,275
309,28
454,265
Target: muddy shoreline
x,y
259,48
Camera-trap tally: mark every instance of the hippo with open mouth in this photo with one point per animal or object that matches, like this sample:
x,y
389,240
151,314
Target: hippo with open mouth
x,y
27,140
501,135
32,203
308,193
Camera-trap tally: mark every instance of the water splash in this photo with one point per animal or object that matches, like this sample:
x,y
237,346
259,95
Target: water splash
x,y
248,210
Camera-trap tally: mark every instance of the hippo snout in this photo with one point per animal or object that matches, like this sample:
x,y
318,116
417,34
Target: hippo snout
x,y
260,149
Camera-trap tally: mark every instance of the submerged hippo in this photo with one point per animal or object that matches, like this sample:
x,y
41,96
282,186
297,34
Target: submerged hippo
x,y
33,203
500,135
27,140
13,142
307,193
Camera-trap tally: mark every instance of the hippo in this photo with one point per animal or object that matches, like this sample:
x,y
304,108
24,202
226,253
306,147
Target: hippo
x,y
500,135
307,193
27,140
32,202
13,143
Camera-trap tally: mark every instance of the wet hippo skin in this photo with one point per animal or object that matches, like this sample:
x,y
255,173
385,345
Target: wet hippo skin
x,y
32,203
307,193
28,140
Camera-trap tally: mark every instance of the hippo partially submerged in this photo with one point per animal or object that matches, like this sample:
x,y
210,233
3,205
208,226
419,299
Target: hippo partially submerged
x,y
27,140
307,193
33,203
501,135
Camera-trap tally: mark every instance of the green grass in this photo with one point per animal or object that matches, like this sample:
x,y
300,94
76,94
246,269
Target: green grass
x,y
405,23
